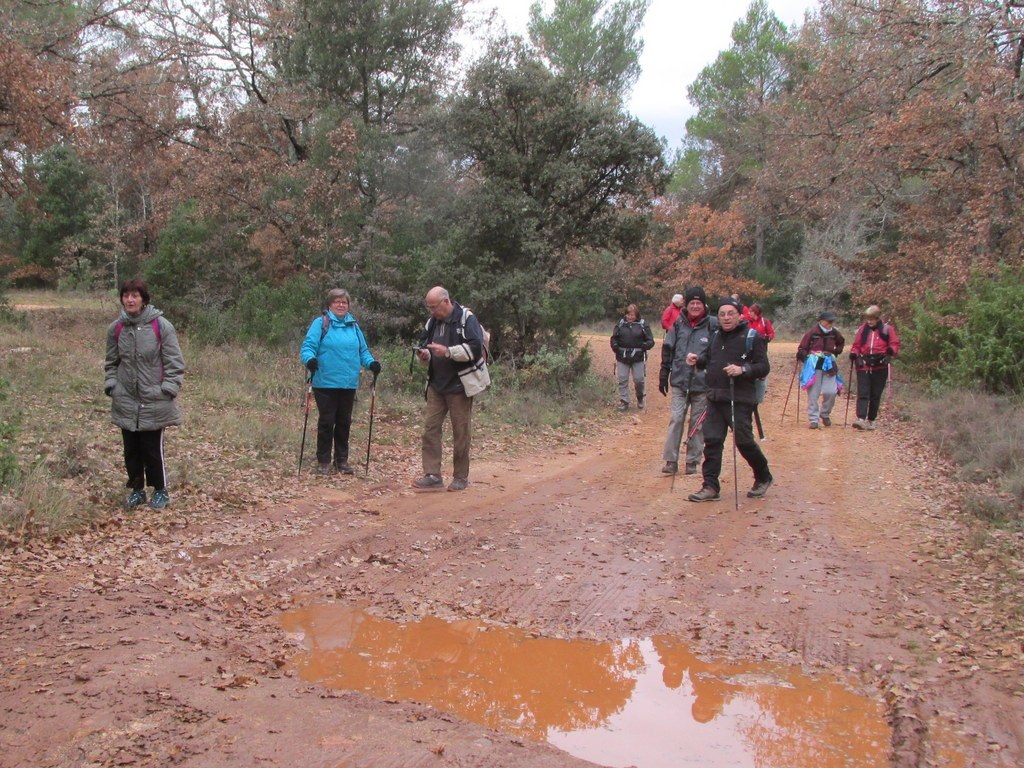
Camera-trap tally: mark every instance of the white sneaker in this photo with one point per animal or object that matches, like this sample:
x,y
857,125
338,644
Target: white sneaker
x,y
870,426
859,424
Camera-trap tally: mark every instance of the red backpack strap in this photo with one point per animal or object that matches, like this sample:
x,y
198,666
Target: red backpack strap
x,y
118,326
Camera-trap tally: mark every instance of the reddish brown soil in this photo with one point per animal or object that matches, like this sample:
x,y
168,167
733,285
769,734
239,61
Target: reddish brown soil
x,y
155,641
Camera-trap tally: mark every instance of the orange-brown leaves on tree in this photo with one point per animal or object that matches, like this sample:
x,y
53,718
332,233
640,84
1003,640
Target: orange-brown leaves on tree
x,y
704,247
35,100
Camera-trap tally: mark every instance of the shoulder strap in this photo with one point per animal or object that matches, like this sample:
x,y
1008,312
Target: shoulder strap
x,y
155,322
748,345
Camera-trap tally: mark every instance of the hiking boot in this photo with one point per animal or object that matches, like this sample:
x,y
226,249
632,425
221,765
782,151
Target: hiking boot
x,y
760,488
707,493
691,469
623,405
160,499
813,425
428,481
870,426
345,468
859,424
826,421
670,468
325,469
641,403
136,499
458,484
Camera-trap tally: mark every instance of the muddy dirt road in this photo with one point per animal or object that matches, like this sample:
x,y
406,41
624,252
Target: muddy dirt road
x,y
158,640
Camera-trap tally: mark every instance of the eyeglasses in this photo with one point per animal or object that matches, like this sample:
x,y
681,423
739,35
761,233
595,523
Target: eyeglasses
x,y
432,307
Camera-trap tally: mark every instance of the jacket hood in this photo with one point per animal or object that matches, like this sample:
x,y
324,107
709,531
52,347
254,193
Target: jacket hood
x,y
147,315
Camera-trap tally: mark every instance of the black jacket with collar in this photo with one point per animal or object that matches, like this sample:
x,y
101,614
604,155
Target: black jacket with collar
x,y
730,348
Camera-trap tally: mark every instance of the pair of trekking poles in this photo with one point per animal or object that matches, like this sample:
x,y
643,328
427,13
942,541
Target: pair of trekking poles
x,y
732,425
849,393
305,420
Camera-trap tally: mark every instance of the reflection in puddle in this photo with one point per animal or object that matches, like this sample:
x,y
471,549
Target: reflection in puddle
x,y
645,703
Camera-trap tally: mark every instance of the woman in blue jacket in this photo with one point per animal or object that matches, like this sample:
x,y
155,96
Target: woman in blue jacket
x,y
334,351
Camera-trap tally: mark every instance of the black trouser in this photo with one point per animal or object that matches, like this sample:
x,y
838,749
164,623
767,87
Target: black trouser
x,y
870,388
144,458
716,424
334,423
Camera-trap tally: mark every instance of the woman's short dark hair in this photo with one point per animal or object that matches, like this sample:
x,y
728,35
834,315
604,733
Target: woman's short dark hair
x,y
138,286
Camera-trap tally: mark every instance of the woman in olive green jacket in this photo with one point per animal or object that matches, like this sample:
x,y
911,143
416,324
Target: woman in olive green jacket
x,y
144,371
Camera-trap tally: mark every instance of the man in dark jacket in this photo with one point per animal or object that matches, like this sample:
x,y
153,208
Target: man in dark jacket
x,y
691,332
730,376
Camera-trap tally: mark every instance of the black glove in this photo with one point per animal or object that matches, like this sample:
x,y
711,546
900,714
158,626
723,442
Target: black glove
x,y
889,352
312,365
375,368
853,355
108,391
663,384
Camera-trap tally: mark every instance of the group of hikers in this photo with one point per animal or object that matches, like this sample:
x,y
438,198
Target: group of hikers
x,y
716,368
144,370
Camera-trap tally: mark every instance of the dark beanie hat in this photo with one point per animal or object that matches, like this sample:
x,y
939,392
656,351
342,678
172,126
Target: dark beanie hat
x,y
696,293
731,302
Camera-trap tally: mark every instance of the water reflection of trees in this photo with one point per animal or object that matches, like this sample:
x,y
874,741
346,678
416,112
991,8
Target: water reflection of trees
x,y
500,678
801,722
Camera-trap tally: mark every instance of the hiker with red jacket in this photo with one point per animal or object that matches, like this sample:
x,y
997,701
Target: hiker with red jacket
x,y
823,344
672,311
144,369
874,345
756,320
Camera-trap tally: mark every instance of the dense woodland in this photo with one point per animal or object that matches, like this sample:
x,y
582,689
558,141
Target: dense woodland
x,y
242,155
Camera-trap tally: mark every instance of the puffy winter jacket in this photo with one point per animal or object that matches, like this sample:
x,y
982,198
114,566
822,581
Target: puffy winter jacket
x,y
631,340
143,371
340,354
681,339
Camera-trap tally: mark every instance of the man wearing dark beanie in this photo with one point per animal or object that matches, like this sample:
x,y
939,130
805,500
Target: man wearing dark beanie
x,y
691,332
730,376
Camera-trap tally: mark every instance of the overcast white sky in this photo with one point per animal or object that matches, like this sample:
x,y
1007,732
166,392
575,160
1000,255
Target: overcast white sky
x,y
681,37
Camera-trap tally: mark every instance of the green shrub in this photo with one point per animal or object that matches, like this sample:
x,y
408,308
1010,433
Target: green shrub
x,y
972,343
8,436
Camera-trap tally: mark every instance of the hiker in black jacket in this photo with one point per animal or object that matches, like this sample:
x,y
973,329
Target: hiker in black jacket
x,y
630,340
730,376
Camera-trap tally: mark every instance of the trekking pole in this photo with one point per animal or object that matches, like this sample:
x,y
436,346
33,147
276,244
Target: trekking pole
x,y
889,371
305,420
732,417
686,444
788,393
849,393
369,436
760,428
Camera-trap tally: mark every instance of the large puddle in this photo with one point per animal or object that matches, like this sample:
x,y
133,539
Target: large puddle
x,y
641,702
